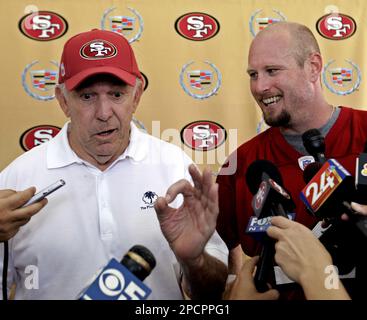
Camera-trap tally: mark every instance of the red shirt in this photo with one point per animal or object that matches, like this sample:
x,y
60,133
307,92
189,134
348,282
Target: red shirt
x,y
344,142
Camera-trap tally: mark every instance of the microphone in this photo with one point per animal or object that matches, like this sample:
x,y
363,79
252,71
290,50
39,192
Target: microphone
x,y
361,177
329,192
270,199
265,183
314,143
122,280
327,189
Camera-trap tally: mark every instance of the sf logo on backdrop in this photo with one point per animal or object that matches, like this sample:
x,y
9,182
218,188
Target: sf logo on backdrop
x,y
336,26
203,135
43,25
37,135
197,26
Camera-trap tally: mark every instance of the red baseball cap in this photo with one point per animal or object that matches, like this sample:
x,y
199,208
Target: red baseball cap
x,y
97,51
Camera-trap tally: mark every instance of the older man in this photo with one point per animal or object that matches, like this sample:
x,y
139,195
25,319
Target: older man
x,y
114,174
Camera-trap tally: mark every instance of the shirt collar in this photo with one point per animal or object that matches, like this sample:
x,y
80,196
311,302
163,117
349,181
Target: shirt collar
x,y
60,154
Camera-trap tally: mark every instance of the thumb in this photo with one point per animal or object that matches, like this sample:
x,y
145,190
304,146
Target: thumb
x,y
359,208
271,294
160,205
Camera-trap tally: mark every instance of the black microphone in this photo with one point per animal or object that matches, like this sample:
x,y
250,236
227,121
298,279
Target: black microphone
x,y
122,280
270,199
314,143
361,177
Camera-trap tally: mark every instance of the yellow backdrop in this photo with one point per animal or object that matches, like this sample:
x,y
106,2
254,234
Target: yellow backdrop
x,y
215,36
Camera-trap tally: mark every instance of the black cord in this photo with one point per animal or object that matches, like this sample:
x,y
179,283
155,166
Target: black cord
x,y
5,270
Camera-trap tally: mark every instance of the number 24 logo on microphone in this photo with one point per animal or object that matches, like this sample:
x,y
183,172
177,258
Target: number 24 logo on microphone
x,y
321,186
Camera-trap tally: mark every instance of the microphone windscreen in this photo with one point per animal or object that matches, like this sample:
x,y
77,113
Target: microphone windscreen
x,y
140,261
310,170
313,141
256,169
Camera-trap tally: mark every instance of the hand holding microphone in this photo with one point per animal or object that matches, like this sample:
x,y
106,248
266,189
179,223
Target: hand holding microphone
x,y
304,259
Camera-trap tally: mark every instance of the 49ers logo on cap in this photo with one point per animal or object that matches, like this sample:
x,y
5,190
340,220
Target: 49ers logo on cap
x,y
43,25
98,49
197,26
37,135
203,135
336,26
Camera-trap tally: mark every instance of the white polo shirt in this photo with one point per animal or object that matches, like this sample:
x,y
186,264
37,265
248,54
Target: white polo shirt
x,y
96,216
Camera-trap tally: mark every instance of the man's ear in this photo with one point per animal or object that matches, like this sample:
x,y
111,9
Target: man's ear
x,y
137,95
315,66
62,101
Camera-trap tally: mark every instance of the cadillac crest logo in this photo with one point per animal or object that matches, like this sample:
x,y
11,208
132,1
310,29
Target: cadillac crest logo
x,y
257,24
130,25
200,80
342,80
41,81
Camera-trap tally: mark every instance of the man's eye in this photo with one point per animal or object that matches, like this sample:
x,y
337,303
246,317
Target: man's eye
x,y
272,71
86,96
117,94
253,75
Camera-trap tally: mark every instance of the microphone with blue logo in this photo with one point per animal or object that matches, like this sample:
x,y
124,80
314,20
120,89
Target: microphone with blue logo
x,y
270,199
123,280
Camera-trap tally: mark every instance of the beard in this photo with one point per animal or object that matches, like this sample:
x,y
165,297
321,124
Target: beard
x,y
281,120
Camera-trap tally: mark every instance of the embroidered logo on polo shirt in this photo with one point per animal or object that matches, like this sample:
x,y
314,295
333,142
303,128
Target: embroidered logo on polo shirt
x,y
149,198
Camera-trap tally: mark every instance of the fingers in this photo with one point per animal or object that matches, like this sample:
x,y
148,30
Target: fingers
x,y
275,231
6,193
212,204
249,266
196,176
23,215
271,294
202,182
160,205
359,208
18,199
181,186
281,222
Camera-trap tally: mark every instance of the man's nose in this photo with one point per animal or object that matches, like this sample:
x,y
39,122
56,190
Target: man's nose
x,y
104,109
261,84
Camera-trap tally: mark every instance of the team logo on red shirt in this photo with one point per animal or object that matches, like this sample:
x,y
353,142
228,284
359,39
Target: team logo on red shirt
x,y
37,135
336,26
43,25
203,135
197,26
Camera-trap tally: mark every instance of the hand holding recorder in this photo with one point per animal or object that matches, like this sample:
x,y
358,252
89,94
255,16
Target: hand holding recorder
x,y
17,207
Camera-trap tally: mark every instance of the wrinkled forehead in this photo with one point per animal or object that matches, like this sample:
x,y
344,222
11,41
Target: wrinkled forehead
x,y
104,78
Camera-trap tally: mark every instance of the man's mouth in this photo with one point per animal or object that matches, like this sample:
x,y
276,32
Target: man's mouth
x,y
271,100
106,132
